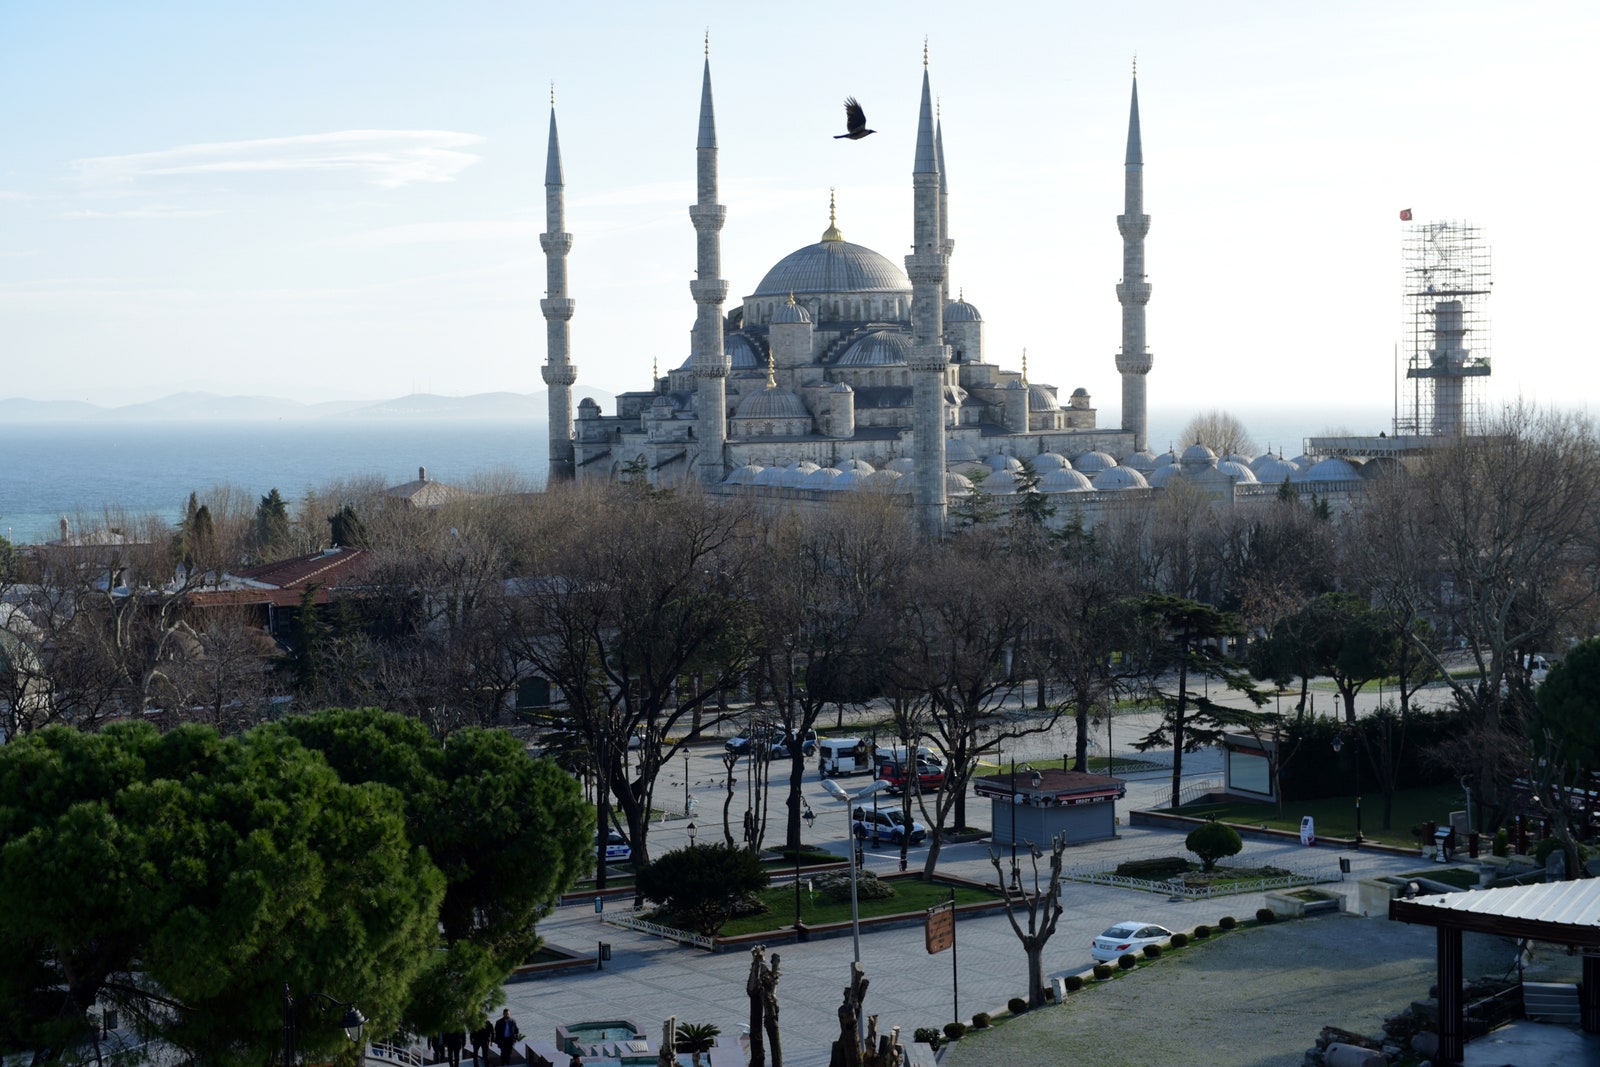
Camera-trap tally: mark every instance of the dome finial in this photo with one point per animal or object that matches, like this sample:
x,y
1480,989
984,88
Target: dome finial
x,y
791,298
772,382
924,51
961,294
552,92
655,369
708,42
832,232
1024,366
1136,64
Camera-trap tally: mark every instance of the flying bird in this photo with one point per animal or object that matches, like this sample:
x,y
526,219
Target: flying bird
x,y
855,120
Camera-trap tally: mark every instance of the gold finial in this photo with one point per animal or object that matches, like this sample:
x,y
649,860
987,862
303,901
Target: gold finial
x,y
1024,366
791,298
832,232
924,51
772,382
708,42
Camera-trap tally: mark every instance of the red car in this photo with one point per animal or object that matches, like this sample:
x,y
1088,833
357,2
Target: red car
x,y
930,776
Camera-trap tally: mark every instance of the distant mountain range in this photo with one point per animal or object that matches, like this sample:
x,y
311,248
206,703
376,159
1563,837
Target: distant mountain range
x,y
181,407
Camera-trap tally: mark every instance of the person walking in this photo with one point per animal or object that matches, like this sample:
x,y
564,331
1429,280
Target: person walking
x,y
455,1039
481,1035
506,1034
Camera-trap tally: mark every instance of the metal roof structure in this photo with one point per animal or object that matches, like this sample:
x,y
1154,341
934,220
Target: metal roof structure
x,y
1562,913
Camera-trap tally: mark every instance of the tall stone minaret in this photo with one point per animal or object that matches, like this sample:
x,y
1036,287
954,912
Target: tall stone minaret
x,y
945,243
927,266
558,372
1133,292
707,358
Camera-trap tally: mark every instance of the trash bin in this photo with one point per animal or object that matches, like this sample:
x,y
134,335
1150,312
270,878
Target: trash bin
x,y
1344,864
1444,841
605,951
1308,831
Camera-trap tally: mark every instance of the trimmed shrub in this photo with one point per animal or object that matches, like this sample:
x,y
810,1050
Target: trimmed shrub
x,y
955,1031
929,1036
980,1020
1073,982
1199,932
1158,869
1181,939
835,886
1017,1005
1103,971
1152,952
1502,842
1127,961
1213,841
1228,922
1266,915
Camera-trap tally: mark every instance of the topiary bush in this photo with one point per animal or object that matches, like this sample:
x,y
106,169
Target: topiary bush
x,y
1228,922
1213,841
1103,971
1266,915
1158,869
1179,940
1502,842
1127,961
835,886
1199,932
980,1020
1017,1005
929,1036
954,1031
1073,982
1152,952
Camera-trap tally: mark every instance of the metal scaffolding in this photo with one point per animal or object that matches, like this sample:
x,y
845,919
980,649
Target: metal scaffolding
x,y
1447,281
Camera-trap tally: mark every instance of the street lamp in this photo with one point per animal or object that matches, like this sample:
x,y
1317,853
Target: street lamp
x,y
838,792
1338,746
351,1019
1016,799
800,931
692,832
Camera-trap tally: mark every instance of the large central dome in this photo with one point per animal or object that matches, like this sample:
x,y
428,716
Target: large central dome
x,y
832,266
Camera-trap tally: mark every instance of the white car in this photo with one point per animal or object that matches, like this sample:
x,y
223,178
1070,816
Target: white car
x,y
1127,937
617,848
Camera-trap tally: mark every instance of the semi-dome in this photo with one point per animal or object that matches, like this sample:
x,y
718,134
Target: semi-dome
x,y
742,355
1042,398
1120,478
772,404
833,267
961,311
880,348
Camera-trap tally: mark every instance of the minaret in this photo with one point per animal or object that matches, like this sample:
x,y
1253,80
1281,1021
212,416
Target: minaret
x,y
707,358
927,267
558,372
945,243
1133,292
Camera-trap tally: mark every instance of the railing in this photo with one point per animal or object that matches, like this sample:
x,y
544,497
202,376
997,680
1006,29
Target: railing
x,y
1176,887
644,926
384,1052
1198,790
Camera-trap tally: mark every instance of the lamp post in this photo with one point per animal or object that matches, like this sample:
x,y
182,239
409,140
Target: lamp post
x,y
1016,799
1338,746
838,792
800,931
692,831
686,783
351,1020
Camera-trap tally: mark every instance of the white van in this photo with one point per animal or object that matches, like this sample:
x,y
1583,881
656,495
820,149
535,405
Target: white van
x,y
844,755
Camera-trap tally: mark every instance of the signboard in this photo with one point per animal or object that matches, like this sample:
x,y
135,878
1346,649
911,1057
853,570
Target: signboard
x,y
941,927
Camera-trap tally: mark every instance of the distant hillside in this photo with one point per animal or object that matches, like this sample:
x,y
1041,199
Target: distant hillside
x,y
185,407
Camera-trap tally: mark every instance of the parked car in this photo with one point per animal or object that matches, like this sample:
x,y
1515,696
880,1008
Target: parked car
x,y
891,825
617,848
1127,937
770,742
930,776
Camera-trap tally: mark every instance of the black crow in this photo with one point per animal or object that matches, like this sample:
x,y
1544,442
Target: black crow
x,y
855,120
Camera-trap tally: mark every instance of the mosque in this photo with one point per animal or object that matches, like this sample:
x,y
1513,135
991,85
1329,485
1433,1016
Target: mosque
x,y
842,371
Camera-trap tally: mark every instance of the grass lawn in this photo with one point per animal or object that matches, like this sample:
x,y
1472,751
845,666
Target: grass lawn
x,y
1336,816
910,894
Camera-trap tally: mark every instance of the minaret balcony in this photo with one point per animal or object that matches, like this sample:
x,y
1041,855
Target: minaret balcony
x,y
1135,364
1136,294
708,290
708,216
555,244
1133,225
558,373
558,307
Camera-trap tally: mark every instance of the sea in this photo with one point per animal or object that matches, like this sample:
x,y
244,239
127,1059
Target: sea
x,y
67,469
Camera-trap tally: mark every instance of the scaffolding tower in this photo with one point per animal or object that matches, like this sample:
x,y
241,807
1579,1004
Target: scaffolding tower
x,y
1447,282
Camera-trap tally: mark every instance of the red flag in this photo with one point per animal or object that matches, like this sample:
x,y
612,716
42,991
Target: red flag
x,y
1405,216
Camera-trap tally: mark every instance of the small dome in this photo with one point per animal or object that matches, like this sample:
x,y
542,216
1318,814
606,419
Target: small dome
x,y
1378,466
821,478
1239,457
1239,471
999,483
902,464
1198,455
1305,462
1080,391
1092,463
1164,474
1143,461
958,451
1002,462
1064,480
1042,398
1270,470
795,475
841,387
849,479
662,404
770,476
860,466
772,404
742,355
884,477
880,348
745,475
1332,469
961,311
1045,462
789,311
1120,478
956,485
1166,457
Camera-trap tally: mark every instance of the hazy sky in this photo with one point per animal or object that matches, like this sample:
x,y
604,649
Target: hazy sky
x,y
343,199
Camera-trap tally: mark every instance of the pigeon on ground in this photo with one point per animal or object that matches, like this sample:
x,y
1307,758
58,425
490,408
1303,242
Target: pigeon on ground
x,y
855,120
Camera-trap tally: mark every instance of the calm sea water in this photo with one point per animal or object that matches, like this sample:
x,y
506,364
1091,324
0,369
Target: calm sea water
x,y
55,469
59,469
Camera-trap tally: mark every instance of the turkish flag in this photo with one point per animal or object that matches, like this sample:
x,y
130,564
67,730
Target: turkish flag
x,y
1405,216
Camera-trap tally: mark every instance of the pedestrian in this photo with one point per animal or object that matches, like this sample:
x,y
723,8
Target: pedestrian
x,y
480,1042
455,1039
436,1048
506,1035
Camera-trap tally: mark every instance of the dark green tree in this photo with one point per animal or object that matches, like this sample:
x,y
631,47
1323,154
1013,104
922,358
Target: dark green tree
x,y
700,885
346,529
1568,707
270,528
1213,841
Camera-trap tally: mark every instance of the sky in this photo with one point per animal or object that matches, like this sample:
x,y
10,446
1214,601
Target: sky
x,y
342,200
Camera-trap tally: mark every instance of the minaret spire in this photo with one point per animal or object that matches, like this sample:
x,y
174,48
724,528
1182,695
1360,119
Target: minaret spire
x,y
558,372
707,358
927,266
1133,292
946,245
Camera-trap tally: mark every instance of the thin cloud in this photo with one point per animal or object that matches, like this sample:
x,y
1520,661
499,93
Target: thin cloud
x,y
141,213
386,158
436,233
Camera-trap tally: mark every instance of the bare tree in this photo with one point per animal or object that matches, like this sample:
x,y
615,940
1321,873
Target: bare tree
x,y
1219,431
1042,908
